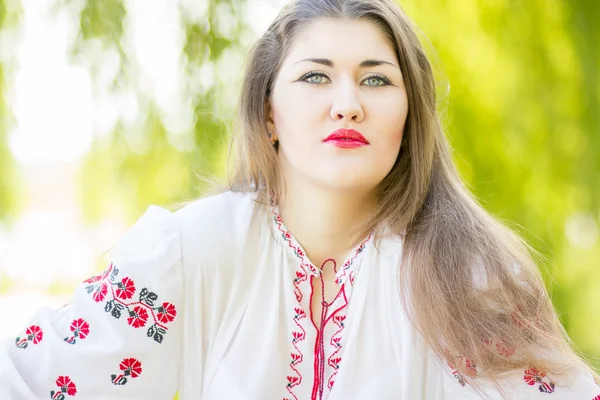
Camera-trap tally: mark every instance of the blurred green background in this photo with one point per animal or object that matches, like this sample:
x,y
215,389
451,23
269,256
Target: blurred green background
x,y
519,89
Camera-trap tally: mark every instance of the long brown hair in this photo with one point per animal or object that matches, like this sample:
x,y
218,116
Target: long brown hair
x,y
468,282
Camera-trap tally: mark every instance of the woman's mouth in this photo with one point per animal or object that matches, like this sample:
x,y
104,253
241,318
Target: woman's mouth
x,y
346,139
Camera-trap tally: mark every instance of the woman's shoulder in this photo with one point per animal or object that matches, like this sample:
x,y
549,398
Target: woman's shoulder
x,y
214,214
213,227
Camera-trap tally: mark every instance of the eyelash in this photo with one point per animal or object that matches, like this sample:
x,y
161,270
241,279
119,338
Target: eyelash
x,y
314,73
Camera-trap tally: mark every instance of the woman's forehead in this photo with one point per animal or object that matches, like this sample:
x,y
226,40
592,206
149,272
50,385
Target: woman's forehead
x,y
342,41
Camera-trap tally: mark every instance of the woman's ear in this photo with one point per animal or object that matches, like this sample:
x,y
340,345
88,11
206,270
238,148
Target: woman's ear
x,y
269,116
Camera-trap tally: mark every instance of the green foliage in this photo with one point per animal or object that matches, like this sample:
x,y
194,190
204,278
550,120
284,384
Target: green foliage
x,y
8,177
154,171
102,19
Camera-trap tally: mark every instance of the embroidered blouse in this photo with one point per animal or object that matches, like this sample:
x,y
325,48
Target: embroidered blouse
x,y
213,301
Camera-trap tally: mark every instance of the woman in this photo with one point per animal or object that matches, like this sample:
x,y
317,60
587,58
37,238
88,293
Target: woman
x,y
386,280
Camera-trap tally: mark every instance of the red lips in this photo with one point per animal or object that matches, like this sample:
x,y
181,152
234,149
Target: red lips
x,y
346,138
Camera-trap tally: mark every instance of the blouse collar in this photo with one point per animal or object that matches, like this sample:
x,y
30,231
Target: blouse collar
x,y
284,237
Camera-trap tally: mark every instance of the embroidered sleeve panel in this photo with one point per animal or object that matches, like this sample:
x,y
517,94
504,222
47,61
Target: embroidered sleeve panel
x,y
118,337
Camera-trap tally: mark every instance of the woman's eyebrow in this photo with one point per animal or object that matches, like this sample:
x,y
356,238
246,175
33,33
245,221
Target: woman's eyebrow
x,y
364,64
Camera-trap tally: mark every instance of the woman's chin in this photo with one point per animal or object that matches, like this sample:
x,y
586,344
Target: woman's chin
x,y
346,182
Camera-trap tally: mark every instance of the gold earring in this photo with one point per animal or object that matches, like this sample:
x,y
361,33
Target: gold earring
x,y
273,138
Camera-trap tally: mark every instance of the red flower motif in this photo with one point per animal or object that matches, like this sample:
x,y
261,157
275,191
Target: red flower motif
x,y
100,293
471,368
299,312
295,357
125,289
35,334
300,275
166,313
504,350
131,366
139,317
532,377
66,385
297,336
80,328
518,321
292,380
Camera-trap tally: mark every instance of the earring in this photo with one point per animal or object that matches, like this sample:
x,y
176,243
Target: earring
x,y
273,138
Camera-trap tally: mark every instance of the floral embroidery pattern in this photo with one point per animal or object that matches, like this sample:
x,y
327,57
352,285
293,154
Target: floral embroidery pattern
x,y
297,249
471,369
34,334
534,377
106,285
65,385
339,279
466,365
130,367
502,348
298,357
80,329
336,341
305,268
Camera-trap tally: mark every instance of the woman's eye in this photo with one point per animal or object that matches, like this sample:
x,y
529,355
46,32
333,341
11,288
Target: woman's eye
x,y
377,81
319,78
314,77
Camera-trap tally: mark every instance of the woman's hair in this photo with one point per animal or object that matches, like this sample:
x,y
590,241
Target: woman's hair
x,y
468,283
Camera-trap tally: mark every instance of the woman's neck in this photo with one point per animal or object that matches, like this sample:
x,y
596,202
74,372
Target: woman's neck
x,y
324,221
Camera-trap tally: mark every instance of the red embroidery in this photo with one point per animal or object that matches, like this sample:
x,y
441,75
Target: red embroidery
x,y
139,312
597,397
298,357
340,278
125,289
130,367
305,267
80,329
502,348
296,247
34,334
336,341
138,317
65,385
532,377
166,313
471,368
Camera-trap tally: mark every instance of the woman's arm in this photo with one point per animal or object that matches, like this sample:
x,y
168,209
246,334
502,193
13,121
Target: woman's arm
x,y
120,335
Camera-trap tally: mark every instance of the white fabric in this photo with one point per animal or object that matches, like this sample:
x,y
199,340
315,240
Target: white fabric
x,y
214,303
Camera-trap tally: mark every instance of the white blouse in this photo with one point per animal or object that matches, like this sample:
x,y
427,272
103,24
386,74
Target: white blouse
x,y
213,301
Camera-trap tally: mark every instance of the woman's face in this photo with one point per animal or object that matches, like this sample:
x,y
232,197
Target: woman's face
x,y
338,74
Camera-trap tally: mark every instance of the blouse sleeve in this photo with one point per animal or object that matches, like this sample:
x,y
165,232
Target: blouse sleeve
x,y
531,384
120,335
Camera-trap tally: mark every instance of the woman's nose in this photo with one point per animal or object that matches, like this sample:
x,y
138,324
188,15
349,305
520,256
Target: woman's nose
x,y
347,105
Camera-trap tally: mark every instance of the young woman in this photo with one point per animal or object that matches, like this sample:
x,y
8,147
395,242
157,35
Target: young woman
x,y
348,261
